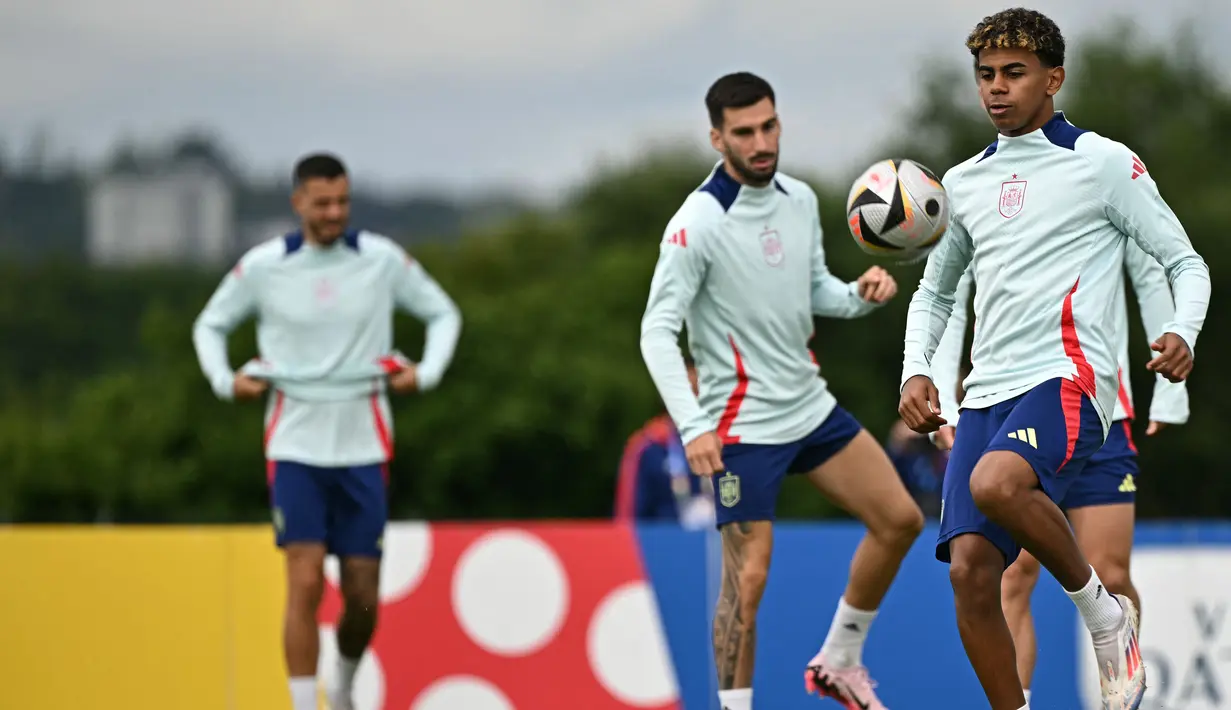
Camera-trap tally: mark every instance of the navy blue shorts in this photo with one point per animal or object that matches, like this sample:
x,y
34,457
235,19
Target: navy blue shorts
x,y
749,488
344,508
1110,475
1054,426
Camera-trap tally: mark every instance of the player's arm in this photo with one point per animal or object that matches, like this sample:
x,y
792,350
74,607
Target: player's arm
x,y
233,302
1133,204
926,320
831,296
417,293
1169,405
678,275
947,360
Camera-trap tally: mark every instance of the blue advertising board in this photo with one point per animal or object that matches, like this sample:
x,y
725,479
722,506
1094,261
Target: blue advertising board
x,y
914,651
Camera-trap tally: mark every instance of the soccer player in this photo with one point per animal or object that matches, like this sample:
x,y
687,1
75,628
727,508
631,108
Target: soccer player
x,y
743,264
1100,503
1043,217
324,298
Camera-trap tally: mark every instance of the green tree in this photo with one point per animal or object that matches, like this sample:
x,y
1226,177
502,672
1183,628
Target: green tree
x,y
105,415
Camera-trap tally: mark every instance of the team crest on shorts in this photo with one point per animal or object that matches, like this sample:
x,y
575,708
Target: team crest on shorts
x,y
771,247
728,490
1012,197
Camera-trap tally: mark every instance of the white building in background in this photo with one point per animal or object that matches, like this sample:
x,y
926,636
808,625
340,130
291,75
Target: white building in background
x,y
181,211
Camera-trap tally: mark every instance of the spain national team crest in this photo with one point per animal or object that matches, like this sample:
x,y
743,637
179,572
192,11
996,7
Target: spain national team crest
x,y
771,247
728,490
1012,197
324,291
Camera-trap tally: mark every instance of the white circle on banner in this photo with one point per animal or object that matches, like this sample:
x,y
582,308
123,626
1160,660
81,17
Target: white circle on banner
x,y
510,593
461,691
627,650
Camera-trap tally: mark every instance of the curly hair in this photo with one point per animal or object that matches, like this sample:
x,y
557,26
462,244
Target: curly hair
x,y
1019,28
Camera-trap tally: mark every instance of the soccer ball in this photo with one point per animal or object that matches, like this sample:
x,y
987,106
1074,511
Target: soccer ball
x,y
898,208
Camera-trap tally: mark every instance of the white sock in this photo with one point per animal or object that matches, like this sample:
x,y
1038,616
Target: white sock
x,y
1099,609
303,692
346,673
1026,706
1027,692
843,646
737,699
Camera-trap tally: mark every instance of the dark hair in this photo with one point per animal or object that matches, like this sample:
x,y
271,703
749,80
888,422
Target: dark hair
x,y
738,90
318,165
1019,28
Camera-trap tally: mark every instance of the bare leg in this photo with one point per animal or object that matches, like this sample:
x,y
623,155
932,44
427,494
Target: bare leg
x,y
746,549
1015,590
305,577
1006,490
975,569
361,600
361,594
1105,534
862,481
1004,487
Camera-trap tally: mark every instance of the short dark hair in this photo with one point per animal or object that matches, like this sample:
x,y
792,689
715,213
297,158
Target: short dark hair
x,y
318,165
738,90
1019,28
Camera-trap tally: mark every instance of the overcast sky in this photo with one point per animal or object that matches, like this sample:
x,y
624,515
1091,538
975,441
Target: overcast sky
x,y
465,94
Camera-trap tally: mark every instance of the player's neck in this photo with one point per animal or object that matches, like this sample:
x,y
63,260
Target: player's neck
x,y
1045,114
311,239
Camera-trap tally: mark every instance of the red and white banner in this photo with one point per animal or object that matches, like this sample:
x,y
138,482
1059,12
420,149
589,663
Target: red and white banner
x,y
510,617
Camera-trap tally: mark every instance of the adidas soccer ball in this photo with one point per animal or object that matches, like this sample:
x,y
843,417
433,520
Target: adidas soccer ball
x,y
898,208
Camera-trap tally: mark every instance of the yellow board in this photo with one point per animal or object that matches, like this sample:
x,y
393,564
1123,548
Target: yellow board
x,y
136,618
256,590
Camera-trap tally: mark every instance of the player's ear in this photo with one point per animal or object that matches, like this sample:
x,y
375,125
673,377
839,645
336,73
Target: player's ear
x,y
1055,79
716,139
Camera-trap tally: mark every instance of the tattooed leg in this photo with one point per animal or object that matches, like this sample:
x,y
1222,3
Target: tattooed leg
x,y
746,550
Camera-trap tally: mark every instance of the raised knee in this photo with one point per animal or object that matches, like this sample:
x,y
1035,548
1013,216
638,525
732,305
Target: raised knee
x,y
897,526
991,489
1114,576
906,524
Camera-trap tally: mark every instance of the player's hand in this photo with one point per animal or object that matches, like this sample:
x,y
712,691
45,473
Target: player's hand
x,y
246,387
405,381
876,285
944,437
1174,360
1155,427
705,454
920,405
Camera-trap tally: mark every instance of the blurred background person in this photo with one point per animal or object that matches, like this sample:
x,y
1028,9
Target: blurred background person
x,y
920,464
654,482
